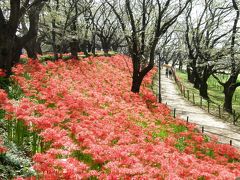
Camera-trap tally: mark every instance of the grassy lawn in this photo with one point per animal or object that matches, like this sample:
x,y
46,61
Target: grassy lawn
x,y
216,95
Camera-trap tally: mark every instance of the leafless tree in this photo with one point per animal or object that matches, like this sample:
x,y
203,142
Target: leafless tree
x,y
143,23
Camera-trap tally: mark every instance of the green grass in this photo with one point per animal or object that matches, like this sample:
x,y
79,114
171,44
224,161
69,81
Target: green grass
x,y
178,128
160,134
181,144
87,158
216,95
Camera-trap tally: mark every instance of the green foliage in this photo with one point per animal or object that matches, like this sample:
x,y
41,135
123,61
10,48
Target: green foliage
x,y
181,144
206,138
210,153
51,105
87,159
158,122
178,128
93,178
16,138
14,91
142,124
66,57
4,83
27,76
202,178
15,163
23,60
46,58
161,134
114,141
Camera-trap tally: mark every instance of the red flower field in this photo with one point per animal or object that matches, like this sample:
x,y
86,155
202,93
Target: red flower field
x,y
91,126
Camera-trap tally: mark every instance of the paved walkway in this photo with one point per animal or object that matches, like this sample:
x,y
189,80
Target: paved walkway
x,y
214,125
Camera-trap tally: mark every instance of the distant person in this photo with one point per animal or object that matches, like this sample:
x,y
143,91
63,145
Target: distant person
x,y
167,72
170,72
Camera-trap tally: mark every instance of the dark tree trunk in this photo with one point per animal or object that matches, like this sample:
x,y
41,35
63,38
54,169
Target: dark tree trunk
x,y
180,64
190,74
84,47
105,45
136,83
38,47
115,48
106,51
10,43
196,84
10,51
31,48
228,99
74,49
196,81
94,44
203,89
138,73
231,85
54,46
9,54
229,89
90,47
55,52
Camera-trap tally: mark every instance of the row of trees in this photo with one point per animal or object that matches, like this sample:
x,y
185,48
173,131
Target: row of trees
x,y
205,39
73,25
202,34
211,47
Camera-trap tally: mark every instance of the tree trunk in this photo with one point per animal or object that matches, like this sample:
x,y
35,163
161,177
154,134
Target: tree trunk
x,y
115,48
136,83
93,44
228,101
229,89
84,47
31,48
54,46
38,47
196,83
180,65
203,89
74,49
6,52
190,74
105,45
106,51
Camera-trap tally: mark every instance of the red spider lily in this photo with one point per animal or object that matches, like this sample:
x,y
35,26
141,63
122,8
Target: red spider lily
x,y
91,125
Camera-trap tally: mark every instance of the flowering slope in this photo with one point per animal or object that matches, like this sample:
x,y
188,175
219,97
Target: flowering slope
x,y
92,126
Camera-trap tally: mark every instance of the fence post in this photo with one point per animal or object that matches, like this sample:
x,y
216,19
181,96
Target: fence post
x,y
193,99
202,129
184,94
201,101
174,112
208,102
188,95
187,119
230,142
234,117
219,110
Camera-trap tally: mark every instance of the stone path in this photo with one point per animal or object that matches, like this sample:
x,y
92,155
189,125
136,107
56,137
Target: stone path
x,y
213,125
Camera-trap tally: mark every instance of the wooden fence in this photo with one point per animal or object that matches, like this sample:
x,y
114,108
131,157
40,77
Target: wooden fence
x,y
210,106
